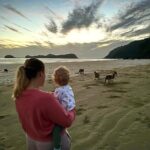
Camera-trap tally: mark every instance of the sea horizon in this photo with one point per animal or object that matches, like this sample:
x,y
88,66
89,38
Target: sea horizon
x,y
21,60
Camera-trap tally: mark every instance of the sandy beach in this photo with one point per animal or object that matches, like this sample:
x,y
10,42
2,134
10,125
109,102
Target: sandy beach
x,y
111,116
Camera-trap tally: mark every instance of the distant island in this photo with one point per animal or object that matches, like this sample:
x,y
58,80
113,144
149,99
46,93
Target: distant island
x,y
53,56
9,56
134,50
46,56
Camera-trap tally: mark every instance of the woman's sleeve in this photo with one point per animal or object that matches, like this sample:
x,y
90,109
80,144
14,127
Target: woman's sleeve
x,y
57,114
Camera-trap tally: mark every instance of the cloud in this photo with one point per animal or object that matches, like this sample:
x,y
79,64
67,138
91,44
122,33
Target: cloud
x,y
15,24
43,33
12,29
4,18
59,17
22,27
82,17
50,43
132,15
9,7
75,2
51,26
132,33
127,33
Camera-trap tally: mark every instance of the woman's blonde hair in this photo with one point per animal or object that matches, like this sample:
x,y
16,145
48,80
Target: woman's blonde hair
x,y
61,75
25,74
21,82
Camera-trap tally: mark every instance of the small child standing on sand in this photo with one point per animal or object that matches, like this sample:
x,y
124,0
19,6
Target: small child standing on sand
x,y
65,97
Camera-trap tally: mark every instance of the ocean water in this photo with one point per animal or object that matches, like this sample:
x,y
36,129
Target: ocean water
x,y
89,65
45,60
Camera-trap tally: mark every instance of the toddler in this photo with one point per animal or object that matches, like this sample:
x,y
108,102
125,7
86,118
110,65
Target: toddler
x,y
65,97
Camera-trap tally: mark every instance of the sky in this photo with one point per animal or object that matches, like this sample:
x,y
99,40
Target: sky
x,y
88,28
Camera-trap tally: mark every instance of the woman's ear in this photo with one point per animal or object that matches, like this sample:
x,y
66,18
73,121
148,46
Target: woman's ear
x,y
41,74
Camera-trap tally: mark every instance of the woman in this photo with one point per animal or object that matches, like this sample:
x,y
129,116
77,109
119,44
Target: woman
x,y
39,111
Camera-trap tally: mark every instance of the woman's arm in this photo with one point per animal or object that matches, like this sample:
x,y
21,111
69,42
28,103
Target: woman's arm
x,y
56,113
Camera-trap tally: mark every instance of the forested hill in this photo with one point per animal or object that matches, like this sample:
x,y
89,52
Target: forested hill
x,y
134,50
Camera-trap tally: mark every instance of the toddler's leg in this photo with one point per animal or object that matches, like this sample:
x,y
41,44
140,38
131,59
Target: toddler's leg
x,y
57,137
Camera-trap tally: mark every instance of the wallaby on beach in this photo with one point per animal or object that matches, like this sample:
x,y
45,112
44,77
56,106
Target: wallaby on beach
x,y
110,77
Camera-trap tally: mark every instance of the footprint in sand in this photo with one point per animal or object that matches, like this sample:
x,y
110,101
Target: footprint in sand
x,y
80,110
2,117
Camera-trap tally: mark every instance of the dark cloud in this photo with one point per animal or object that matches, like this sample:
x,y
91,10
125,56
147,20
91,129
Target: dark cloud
x,y
54,14
9,7
50,43
127,33
22,27
82,17
15,24
4,18
133,14
12,29
38,43
107,42
137,32
51,26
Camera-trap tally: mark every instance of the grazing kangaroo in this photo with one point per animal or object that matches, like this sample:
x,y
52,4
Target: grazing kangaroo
x,y
5,70
81,71
110,77
97,75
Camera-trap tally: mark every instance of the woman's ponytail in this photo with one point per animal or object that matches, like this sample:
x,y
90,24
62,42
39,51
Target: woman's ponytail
x,y
21,82
25,74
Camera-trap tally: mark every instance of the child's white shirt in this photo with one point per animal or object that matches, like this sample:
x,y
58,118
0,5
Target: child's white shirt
x,y
65,96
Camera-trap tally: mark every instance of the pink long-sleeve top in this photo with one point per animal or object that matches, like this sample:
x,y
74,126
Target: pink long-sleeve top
x,y
39,111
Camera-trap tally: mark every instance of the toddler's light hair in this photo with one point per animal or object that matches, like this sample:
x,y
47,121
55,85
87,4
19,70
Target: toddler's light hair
x,y
61,75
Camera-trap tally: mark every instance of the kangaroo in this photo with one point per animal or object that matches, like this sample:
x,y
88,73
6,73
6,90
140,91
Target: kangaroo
x,y
110,77
81,71
5,70
97,75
